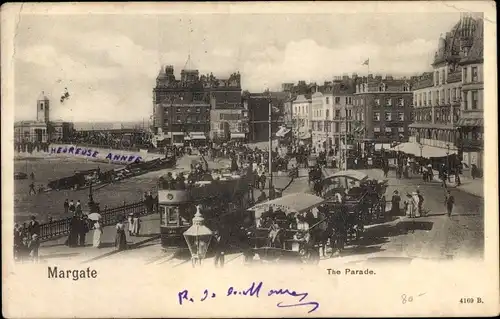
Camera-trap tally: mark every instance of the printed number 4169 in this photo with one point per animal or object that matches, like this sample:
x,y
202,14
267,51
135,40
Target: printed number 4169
x,y
471,300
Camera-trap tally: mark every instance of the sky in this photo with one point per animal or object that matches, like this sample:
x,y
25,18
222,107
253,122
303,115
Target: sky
x,y
109,63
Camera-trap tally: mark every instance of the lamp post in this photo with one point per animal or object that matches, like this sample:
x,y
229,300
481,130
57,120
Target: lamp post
x,y
447,159
198,238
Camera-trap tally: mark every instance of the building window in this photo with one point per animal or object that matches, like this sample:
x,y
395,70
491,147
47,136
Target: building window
x,y
401,102
197,110
337,114
376,116
327,100
474,74
388,116
464,73
474,100
466,101
436,78
377,102
389,102
221,126
376,129
178,118
348,100
178,110
401,116
337,100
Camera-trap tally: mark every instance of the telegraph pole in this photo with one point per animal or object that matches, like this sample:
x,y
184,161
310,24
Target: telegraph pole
x,y
271,191
345,140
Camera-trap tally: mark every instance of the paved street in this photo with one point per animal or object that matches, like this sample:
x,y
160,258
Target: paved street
x,y
435,236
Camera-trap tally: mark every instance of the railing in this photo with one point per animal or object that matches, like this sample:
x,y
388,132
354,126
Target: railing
x,y
109,216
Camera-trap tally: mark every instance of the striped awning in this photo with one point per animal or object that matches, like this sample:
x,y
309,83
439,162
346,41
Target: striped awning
x,y
470,122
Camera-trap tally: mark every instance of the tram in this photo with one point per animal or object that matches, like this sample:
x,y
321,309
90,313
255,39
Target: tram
x,y
224,198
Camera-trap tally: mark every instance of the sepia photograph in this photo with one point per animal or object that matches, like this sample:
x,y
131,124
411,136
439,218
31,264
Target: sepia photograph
x,y
249,159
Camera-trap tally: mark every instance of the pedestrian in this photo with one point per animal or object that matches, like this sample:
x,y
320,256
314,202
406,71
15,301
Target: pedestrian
x,y
396,199
121,238
386,170
84,229
32,189
66,206
130,224
71,207
74,226
33,246
449,201
78,207
97,234
219,249
32,175
136,224
33,227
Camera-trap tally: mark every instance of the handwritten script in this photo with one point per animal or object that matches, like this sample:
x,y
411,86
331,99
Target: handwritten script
x,y
290,297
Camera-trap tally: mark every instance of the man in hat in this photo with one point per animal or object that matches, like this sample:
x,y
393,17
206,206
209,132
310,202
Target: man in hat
x,y
220,247
34,226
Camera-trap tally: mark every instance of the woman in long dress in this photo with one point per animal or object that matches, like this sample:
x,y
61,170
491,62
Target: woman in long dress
x,y
136,224
97,234
121,239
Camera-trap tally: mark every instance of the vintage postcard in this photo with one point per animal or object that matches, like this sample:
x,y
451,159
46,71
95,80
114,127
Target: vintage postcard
x,y
287,159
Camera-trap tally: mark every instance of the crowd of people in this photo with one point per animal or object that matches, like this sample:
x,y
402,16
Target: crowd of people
x,y
27,240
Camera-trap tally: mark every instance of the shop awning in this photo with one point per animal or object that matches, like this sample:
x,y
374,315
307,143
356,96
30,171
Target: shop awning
x,y
470,122
298,202
282,132
425,151
237,135
197,136
378,147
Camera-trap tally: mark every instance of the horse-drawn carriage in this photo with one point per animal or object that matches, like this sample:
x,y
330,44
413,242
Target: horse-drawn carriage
x,y
281,233
363,198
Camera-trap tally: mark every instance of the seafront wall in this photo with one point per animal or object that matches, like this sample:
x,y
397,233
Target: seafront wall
x,y
96,154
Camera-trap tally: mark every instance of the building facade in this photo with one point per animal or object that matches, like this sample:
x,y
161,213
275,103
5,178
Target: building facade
x,y
438,96
471,123
258,114
182,107
341,121
321,105
42,130
384,107
302,117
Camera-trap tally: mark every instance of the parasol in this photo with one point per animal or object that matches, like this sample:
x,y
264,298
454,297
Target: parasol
x,y
94,216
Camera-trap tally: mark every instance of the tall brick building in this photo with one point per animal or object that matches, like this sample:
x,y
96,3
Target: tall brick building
x,y
448,102
384,107
182,107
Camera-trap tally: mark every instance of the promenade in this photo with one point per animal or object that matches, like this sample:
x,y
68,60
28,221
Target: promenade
x,y
56,251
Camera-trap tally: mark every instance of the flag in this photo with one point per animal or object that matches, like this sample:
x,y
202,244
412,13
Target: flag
x,y
367,62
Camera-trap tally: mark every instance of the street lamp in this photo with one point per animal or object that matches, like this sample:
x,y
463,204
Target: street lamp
x,y
198,238
447,158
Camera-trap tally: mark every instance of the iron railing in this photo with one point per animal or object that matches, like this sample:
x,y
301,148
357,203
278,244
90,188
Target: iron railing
x,y
109,216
